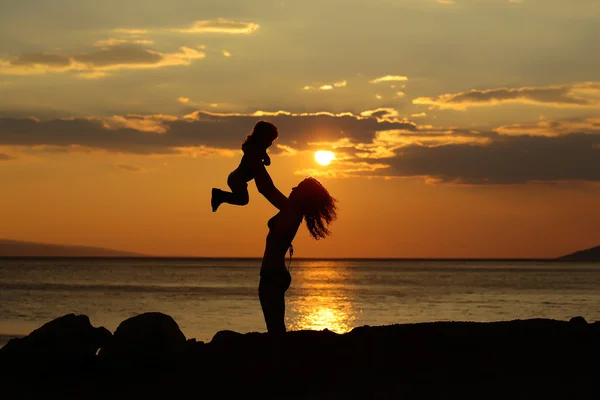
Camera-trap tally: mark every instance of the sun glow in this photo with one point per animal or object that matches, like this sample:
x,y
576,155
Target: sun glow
x,y
320,304
324,157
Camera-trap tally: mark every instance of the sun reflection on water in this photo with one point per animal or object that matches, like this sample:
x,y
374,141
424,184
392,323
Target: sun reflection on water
x,y
322,313
321,299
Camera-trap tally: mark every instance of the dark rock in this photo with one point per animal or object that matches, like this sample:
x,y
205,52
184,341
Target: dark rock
x,y
146,340
578,321
191,343
194,350
66,343
536,358
228,340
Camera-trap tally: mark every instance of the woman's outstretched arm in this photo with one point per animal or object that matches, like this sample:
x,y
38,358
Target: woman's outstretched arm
x,y
266,187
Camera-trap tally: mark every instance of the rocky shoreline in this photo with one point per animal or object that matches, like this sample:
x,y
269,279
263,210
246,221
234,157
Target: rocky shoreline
x,y
149,357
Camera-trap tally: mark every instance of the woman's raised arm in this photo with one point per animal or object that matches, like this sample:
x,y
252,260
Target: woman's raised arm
x,y
265,185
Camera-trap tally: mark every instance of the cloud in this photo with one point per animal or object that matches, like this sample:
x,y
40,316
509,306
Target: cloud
x,y
389,78
386,143
84,133
286,150
445,1
344,169
5,157
164,134
375,143
131,32
382,113
131,168
50,60
96,64
117,41
552,128
328,86
119,56
297,130
221,26
505,160
129,50
145,123
183,100
582,94
92,75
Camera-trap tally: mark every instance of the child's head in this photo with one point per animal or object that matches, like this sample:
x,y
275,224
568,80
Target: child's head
x,y
263,134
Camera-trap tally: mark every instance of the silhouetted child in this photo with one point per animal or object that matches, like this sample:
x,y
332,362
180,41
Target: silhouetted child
x,y
255,148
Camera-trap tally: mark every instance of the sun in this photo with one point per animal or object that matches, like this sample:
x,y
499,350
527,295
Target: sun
x,y
324,157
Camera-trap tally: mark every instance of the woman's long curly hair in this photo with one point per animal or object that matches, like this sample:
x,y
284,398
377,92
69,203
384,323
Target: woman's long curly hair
x,y
263,135
317,206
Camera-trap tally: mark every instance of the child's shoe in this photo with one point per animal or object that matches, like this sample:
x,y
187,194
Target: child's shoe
x,y
215,200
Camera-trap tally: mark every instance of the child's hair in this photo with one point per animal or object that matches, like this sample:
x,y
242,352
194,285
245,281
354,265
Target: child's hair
x,y
263,134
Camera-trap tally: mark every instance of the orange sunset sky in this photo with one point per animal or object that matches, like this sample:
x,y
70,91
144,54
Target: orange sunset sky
x,y
465,128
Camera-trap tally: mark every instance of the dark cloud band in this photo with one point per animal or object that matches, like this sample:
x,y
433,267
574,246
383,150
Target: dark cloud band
x,y
368,145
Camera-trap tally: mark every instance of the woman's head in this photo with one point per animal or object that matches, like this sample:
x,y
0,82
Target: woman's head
x,y
263,134
317,206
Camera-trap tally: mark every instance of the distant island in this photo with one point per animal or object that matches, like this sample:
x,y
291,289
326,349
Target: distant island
x,y
18,248
592,254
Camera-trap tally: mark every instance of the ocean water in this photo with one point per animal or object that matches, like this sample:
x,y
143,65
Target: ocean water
x,y
208,295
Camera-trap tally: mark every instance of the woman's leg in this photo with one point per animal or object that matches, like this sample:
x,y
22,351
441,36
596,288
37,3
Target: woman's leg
x,y
271,292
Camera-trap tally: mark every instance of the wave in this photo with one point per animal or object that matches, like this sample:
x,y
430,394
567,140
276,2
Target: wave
x,y
84,287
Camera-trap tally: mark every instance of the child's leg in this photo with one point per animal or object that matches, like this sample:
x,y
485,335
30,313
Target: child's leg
x,y
238,195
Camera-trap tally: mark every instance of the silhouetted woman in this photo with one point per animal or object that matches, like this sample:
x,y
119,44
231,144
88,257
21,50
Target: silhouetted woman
x,y
309,201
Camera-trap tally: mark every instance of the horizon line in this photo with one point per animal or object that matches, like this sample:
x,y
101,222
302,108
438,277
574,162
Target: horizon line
x,y
144,257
